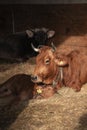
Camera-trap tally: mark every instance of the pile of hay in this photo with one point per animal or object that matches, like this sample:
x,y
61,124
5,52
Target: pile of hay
x,y
66,110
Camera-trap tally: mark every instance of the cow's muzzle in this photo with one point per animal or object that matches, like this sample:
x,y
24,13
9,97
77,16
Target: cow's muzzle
x,y
34,78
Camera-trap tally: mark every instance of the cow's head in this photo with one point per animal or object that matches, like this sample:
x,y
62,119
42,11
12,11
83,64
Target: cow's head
x,y
49,62
40,36
46,68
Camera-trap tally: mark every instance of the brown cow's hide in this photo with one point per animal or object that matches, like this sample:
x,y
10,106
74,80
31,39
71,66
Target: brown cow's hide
x,y
49,61
74,68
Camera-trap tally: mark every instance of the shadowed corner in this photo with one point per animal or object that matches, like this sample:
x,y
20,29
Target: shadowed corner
x,y
82,123
8,114
10,110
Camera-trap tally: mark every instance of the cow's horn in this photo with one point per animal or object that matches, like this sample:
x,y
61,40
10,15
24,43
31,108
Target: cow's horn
x,y
53,46
34,48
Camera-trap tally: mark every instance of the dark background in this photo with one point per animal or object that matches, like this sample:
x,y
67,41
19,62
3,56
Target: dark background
x,y
42,1
65,19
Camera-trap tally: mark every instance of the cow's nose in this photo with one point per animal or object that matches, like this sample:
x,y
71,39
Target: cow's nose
x,y
33,77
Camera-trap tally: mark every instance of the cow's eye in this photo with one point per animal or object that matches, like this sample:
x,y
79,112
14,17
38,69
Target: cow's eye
x,y
47,61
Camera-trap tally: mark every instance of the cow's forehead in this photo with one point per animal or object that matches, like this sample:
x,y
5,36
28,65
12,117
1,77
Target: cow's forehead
x,y
45,48
46,52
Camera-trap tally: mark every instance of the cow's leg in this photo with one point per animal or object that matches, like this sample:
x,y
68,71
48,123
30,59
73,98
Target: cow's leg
x,y
76,85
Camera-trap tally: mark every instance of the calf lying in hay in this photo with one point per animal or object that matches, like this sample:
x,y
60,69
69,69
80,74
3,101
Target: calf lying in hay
x,y
20,86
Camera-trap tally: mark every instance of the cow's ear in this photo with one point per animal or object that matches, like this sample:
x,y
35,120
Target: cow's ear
x,y
61,62
50,33
29,33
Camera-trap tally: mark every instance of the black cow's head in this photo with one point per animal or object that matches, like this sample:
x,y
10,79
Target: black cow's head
x,y
40,36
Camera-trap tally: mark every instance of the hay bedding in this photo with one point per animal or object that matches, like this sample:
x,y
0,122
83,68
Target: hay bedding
x,y
66,110
60,112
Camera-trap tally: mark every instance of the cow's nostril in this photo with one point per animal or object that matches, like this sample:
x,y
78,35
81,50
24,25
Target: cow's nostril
x,y
33,77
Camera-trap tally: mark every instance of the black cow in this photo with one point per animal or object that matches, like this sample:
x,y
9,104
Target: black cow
x,y
17,47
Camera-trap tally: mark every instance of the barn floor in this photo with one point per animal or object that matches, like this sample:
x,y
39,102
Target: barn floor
x,y
66,110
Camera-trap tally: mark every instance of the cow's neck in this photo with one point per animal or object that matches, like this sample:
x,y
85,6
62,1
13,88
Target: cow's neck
x,y
67,75
58,78
62,77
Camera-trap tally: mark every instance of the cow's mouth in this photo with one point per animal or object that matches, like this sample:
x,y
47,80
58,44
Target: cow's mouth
x,y
43,84
40,83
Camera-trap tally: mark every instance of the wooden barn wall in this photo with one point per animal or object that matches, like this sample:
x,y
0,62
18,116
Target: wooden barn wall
x,y
64,19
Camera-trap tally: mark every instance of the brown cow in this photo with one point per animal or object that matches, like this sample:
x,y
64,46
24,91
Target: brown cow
x,y
19,85
54,68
